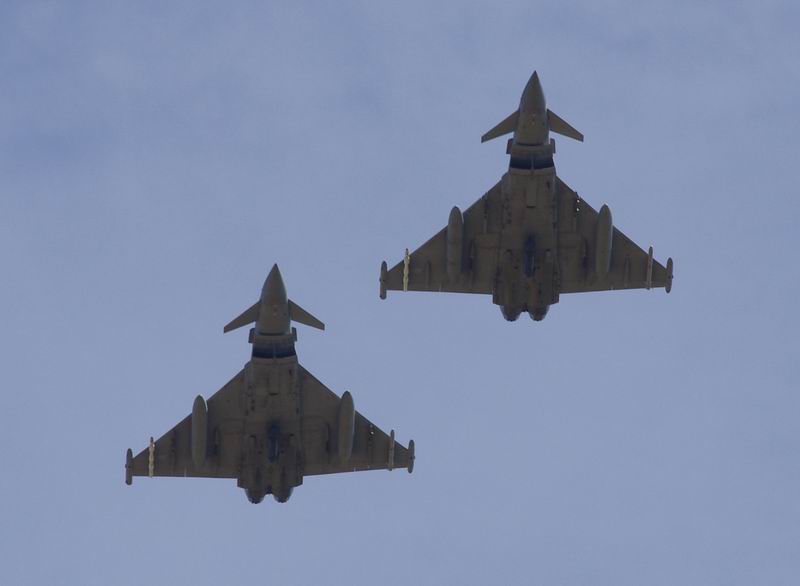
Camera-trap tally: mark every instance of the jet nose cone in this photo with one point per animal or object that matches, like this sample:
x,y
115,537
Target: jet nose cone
x,y
274,272
274,291
273,315
533,95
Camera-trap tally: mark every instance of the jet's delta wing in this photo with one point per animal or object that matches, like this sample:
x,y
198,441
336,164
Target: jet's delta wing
x,y
530,237
431,268
273,423
372,449
171,454
629,267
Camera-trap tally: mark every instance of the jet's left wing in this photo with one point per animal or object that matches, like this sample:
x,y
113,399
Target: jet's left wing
x,y
581,234
372,448
171,454
425,269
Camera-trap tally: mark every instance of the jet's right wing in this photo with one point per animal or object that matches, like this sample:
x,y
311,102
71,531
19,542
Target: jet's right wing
x,y
170,455
629,266
425,269
372,448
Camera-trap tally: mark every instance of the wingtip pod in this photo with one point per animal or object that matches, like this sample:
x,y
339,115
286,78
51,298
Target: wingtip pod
x,y
129,467
411,456
383,279
668,283
390,456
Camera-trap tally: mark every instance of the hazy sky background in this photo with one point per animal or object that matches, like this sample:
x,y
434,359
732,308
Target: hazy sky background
x,y
157,158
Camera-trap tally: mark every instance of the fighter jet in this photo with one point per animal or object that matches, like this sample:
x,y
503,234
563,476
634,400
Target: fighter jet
x,y
530,238
273,423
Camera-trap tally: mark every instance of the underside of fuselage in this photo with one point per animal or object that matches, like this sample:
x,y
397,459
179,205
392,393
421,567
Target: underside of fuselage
x,y
271,437
528,262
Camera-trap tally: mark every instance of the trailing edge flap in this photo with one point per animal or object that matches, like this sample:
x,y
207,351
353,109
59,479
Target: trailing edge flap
x,y
506,126
561,126
248,316
300,315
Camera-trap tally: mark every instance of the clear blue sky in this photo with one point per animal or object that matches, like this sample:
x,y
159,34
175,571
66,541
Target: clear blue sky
x,y
157,158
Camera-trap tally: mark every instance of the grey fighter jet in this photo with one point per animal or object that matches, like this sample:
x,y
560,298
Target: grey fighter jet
x,y
530,238
273,423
